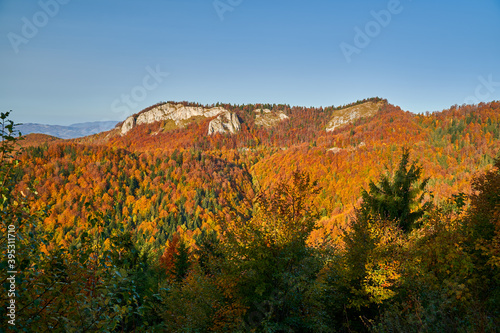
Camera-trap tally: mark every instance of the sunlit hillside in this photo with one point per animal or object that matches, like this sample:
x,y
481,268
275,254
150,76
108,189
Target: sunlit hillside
x,y
163,196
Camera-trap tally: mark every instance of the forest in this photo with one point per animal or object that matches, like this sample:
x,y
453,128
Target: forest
x,y
390,223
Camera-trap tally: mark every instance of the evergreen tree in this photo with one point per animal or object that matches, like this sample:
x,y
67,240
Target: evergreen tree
x,y
399,199
181,261
390,207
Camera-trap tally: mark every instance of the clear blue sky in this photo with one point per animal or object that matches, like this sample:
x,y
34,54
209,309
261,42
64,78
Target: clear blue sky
x,y
85,57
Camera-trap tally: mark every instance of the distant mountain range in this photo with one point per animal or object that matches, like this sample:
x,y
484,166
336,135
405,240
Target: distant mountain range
x,y
68,132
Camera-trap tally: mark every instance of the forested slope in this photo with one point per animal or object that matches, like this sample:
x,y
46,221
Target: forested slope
x,y
154,183
267,229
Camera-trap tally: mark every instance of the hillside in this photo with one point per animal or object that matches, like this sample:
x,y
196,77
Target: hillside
x,y
37,139
452,145
168,185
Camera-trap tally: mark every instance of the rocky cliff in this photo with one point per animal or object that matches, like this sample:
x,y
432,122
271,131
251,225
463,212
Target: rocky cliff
x,y
226,122
352,113
268,118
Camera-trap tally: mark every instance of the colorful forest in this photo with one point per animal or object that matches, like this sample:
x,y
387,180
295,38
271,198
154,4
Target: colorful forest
x,y
390,223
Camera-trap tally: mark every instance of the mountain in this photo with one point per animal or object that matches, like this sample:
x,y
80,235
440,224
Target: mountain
x,y
181,227
342,147
68,132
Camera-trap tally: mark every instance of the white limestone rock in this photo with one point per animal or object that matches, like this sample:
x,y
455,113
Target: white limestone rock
x,y
352,113
226,122
128,124
181,114
335,150
268,118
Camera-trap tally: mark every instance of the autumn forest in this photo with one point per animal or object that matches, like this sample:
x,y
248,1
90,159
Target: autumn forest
x,y
390,222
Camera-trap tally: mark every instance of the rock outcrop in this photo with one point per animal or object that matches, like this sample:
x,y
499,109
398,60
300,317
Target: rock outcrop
x,y
336,150
352,113
128,124
268,118
226,122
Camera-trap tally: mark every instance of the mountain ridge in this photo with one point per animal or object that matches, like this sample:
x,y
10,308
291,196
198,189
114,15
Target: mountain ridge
x,y
72,131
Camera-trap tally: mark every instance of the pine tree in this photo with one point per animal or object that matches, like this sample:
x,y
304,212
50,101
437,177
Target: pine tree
x,y
399,199
181,262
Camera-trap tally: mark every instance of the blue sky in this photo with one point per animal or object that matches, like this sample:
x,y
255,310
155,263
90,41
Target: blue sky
x,y
67,61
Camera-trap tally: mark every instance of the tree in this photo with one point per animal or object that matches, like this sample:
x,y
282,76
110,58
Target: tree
x,y
400,199
373,243
483,226
12,202
209,251
181,262
175,260
269,260
450,267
